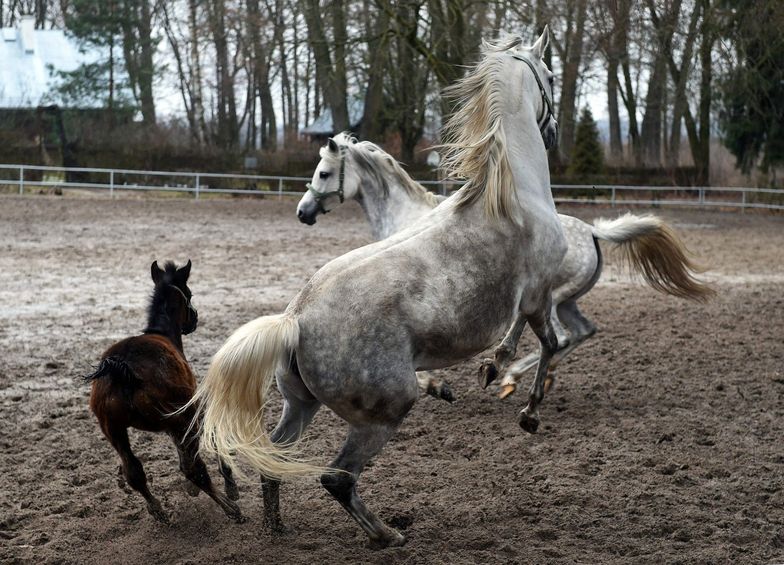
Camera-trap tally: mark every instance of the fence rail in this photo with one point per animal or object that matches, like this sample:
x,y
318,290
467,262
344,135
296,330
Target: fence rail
x,y
199,184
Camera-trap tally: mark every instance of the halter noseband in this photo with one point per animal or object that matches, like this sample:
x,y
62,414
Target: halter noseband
x,y
548,110
319,197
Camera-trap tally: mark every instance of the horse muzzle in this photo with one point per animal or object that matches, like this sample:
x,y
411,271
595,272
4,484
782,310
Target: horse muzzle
x,y
307,213
191,322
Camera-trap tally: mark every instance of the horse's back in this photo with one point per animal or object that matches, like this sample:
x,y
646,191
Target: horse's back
x,y
156,380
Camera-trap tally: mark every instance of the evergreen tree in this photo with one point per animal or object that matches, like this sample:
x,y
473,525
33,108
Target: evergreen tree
x,y
97,26
751,113
587,153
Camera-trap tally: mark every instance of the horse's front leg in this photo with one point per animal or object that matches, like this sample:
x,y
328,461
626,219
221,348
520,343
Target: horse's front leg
x,y
542,326
503,354
434,387
515,373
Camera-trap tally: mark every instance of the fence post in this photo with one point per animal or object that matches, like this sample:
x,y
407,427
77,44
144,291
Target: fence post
x,y
280,188
612,198
198,187
111,184
702,197
21,180
743,207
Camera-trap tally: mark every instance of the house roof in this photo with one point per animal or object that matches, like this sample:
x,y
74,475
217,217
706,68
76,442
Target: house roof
x,y
26,55
323,124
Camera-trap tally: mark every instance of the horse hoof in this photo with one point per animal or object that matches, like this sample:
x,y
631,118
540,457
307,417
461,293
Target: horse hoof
x,y
191,489
528,422
446,393
549,383
507,390
487,373
232,492
277,529
394,539
158,513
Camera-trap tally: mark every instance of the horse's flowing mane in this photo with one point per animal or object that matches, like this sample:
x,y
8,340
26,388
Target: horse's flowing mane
x,y
379,164
474,138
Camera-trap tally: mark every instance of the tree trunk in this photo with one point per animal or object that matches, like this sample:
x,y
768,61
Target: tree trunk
x,y
571,70
702,156
146,68
372,126
332,80
616,144
197,97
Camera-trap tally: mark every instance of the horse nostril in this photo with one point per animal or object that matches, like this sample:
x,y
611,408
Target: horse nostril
x,y
300,213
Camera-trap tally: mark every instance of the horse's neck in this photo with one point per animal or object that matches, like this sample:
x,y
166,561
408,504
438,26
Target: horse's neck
x,y
159,322
389,214
528,161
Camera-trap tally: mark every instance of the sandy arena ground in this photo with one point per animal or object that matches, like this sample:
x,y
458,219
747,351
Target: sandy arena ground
x,y
662,442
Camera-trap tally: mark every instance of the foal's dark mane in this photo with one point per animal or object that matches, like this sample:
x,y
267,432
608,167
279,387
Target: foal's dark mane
x,y
158,320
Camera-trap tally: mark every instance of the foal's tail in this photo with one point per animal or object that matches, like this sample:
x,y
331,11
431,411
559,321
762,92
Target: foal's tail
x,y
116,368
652,249
235,391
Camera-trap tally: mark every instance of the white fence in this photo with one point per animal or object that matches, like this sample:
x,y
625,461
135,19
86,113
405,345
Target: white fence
x,y
32,176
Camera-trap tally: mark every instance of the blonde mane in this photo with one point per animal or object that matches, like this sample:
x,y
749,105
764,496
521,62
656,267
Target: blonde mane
x,y
379,164
474,138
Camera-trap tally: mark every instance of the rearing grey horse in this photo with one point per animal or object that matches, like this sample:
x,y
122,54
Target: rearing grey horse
x,y
428,297
392,200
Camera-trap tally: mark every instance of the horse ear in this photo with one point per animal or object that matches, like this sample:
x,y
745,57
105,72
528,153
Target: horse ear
x,y
333,147
185,271
157,273
541,44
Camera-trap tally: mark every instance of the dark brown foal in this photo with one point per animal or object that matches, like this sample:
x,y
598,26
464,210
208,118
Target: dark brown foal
x,y
142,380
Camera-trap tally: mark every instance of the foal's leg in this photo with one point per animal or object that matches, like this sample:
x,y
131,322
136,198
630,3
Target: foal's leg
x,y
543,328
194,469
299,407
505,352
133,471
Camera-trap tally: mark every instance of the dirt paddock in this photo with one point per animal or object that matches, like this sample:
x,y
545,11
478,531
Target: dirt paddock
x,y
663,442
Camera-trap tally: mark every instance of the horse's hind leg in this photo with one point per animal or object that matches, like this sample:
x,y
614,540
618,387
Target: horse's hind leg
x,y
361,445
133,471
580,327
299,407
194,469
542,326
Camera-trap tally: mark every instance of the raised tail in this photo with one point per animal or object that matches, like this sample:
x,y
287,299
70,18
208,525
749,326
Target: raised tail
x,y
117,368
651,248
233,395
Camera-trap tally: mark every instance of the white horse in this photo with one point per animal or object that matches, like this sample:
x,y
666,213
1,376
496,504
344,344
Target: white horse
x,y
428,297
392,200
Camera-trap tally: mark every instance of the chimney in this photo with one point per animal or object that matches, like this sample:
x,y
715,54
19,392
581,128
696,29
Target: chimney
x,y
26,33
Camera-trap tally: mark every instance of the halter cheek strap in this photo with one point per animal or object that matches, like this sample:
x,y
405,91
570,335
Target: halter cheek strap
x,y
548,109
187,300
319,197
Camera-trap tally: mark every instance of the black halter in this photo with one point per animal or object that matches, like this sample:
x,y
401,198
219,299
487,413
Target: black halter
x,y
548,105
319,197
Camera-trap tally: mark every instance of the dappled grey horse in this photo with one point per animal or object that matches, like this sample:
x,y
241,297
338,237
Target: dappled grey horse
x,y
430,296
392,200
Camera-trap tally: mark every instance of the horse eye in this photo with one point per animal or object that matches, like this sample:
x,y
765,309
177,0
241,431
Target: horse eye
x,y
323,175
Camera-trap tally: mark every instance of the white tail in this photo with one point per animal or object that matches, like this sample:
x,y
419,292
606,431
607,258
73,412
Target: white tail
x,y
233,395
652,249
